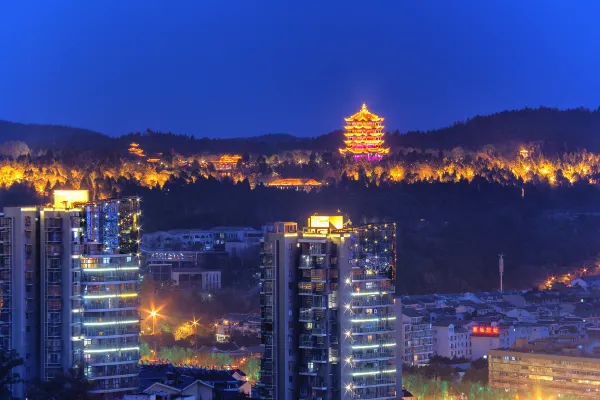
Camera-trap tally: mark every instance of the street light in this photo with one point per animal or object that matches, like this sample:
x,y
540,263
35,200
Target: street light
x,y
153,314
195,323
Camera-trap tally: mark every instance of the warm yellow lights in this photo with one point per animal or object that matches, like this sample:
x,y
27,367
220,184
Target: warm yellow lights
x,y
67,198
364,133
294,182
326,221
135,150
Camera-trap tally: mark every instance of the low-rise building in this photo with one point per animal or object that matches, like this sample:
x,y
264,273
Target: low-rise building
x,y
550,367
451,339
417,343
196,278
243,324
166,381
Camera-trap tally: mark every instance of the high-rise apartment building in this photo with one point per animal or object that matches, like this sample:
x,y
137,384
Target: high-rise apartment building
x,y
328,312
69,277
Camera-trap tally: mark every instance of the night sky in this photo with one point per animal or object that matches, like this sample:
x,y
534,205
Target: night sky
x,y
223,68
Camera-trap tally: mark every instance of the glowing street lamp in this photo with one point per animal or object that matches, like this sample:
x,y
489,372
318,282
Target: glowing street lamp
x,y
195,323
153,314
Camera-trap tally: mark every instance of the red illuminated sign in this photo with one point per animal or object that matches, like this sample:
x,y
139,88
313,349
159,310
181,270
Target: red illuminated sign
x,y
483,330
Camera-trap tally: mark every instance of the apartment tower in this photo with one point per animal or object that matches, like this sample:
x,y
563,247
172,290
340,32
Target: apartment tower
x,y
328,312
69,277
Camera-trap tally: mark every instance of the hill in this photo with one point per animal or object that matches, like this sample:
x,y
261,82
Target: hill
x,y
558,130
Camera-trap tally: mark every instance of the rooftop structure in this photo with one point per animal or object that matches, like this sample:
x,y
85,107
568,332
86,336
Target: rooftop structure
x,y
364,136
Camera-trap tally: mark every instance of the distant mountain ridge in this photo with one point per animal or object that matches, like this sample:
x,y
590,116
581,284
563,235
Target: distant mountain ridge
x,y
559,130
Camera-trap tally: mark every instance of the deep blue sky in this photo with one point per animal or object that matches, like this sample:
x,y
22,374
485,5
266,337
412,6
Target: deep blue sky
x,y
244,67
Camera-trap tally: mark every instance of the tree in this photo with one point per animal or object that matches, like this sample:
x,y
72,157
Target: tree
x,y
69,386
477,372
9,360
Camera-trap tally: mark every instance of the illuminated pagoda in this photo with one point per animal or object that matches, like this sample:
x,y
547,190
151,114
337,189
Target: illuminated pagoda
x,y
136,150
364,135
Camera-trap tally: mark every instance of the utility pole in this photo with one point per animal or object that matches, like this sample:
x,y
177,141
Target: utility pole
x,y
501,269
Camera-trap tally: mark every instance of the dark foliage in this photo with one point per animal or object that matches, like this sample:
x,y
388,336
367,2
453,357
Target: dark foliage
x,y
9,360
69,386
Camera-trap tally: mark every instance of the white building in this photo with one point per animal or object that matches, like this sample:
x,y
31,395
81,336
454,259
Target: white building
x,y
452,340
417,343
196,278
180,239
237,239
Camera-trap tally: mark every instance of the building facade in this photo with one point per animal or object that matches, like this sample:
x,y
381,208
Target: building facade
x,y
70,281
560,372
417,340
451,340
328,312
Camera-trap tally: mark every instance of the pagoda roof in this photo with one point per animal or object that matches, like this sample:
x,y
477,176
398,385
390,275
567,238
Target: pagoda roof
x,y
364,115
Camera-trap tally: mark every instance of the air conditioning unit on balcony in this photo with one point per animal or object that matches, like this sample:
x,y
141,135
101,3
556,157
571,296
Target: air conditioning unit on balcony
x,y
374,311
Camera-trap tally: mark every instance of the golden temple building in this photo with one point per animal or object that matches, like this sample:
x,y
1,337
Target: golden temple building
x,y
135,150
364,136
227,162
295,183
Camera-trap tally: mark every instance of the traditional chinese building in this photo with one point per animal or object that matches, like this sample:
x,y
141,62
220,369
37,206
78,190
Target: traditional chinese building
x,y
295,184
364,136
227,162
136,150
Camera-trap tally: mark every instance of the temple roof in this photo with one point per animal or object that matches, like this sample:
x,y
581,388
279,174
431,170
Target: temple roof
x,y
294,182
364,115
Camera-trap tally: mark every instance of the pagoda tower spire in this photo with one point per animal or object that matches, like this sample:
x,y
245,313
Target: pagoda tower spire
x,y
364,135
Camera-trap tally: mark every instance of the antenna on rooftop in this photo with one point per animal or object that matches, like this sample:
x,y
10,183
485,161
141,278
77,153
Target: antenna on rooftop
x,y
501,268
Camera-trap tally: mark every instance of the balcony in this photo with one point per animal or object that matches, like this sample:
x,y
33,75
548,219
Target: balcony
x,y
311,262
318,358
306,291
360,382
376,328
369,277
308,315
384,342
371,355
306,342
308,371
53,251
376,393
319,330
370,303
319,384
